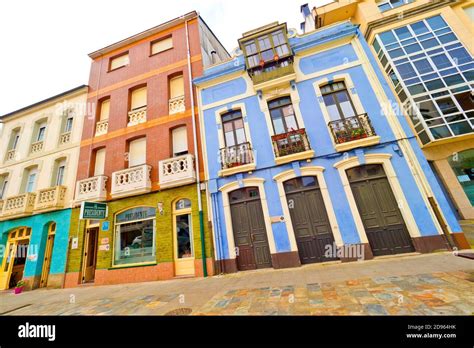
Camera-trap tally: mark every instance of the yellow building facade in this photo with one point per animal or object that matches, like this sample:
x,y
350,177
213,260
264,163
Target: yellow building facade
x,y
425,49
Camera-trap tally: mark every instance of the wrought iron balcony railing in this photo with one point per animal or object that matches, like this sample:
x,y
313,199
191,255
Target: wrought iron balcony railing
x,y
290,143
237,155
351,128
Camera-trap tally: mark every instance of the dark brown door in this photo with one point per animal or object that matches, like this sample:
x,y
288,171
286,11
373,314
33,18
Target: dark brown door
x,y
378,208
309,218
90,255
248,225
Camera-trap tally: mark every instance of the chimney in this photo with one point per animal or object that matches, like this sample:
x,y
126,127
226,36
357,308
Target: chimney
x,y
308,24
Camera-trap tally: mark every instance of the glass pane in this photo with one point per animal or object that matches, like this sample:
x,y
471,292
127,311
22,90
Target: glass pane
x,y
440,132
251,48
428,110
264,43
460,56
406,71
447,105
396,53
183,235
308,181
278,38
240,133
463,167
416,89
465,101
447,38
436,22
412,48
291,123
453,80
423,66
278,125
460,128
435,84
345,104
429,43
419,28
403,33
387,37
229,138
331,107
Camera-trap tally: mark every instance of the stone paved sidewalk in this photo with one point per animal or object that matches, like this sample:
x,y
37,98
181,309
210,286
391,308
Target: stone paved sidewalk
x,y
411,284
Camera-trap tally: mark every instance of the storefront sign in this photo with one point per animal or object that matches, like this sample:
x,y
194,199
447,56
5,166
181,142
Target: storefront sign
x,y
95,211
134,214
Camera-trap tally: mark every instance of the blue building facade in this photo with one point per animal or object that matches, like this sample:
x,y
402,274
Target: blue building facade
x,y
36,233
309,158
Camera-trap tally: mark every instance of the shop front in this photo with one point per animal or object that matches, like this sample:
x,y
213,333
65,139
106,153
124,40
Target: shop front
x,y
146,238
34,250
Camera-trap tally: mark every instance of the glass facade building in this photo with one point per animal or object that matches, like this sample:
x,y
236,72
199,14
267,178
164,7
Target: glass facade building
x,y
433,74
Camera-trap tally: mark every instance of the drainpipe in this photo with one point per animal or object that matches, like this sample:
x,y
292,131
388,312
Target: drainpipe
x,y
196,156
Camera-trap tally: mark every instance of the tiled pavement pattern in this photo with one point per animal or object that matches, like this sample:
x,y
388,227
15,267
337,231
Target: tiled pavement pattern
x,y
411,284
423,294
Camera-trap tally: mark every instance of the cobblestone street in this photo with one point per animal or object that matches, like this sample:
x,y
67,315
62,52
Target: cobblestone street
x,y
434,284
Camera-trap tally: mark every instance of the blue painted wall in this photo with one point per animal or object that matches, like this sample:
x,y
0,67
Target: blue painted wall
x,y
39,231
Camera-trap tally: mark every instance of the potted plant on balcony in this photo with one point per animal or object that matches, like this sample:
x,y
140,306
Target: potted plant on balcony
x,y
358,133
341,137
19,287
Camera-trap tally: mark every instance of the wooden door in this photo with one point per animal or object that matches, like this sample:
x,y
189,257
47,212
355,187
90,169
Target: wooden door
x,y
309,218
47,261
249,229
90,254
378,208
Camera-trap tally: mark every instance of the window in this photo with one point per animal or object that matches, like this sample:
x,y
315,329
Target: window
x,y
41,132
99,162
233,125
58,174
137,152
135,236
119,61
283,115
266,48
104,110
161,45
176,87
180,141
3,186
138,99
68,125
386,5
338,101
30,179
14,139
463,168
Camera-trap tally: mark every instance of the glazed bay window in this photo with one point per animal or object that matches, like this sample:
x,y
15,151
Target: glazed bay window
x,y
433,74
135,236
289,138
345,124
268,55
237,150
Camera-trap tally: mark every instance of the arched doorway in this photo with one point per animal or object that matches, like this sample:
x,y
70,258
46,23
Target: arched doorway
x,y
183,238
48,253
14,260
248,226
309,219
379,210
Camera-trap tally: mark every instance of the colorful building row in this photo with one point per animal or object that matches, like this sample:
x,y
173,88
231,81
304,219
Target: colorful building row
x,y
292,150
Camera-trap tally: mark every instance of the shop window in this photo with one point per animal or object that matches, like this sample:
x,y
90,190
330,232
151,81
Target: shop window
x,y
135,236
462,164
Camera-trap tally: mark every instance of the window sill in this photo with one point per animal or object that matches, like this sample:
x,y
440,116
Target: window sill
x,y
295,157
133,265
358,143
239,169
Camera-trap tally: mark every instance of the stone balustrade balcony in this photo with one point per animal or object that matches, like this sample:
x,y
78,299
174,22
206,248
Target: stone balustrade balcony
x,y
18,206
136,116
91,189
131,181
50,198
177,171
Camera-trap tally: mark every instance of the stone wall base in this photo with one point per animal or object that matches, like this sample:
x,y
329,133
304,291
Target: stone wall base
x,y
428,244
286,260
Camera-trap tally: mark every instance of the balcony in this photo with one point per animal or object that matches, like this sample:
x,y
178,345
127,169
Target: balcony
x,y
275,71
50,198
11,155
136,116
101,127
64,138
37,147
18,206
236,159
176,105
353,132
131,181
177,171
291,146
92,189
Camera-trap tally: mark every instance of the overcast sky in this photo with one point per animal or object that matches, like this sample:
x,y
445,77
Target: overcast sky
x,y
45,42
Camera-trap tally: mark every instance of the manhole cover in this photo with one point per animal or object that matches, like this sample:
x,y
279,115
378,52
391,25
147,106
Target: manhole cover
x,y
180,311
